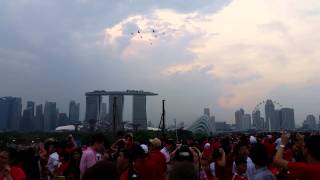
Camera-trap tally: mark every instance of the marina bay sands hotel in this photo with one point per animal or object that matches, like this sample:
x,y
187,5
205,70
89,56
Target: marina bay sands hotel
x,y
116,102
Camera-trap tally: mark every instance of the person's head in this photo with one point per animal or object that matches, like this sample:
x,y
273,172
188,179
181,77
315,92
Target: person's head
x,y
170,145
97,142
259,155
4,157
241,165
123,160
50,146
242,149
155,143
311,148
183,154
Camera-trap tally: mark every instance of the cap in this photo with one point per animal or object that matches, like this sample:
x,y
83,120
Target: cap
x,y
145,148
155,142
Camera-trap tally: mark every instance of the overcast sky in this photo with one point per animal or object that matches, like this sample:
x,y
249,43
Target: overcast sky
x,y
221,54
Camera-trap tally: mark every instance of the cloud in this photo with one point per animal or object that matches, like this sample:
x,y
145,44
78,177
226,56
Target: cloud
x,y
251,47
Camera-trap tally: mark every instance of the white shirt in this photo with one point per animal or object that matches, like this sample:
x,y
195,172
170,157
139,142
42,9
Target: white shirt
x,y
212,169
166,154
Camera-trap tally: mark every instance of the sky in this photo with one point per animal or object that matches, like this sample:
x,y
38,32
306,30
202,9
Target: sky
x,y
221,54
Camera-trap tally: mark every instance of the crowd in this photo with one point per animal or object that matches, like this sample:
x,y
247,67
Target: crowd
x,y
265,156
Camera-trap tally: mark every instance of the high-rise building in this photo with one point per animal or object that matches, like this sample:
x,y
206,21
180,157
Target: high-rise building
x,y
93,105
139,117
104,113
310,123
39,119
246,122
206,111
26,123
50,116
10,113
272,122
116,111
287,119
63,119
30,105
4,113
74,112
238,119
257,120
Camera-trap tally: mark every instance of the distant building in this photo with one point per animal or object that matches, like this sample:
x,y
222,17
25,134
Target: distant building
x,y
104,114
10,113
39,119
203,125
272,122
93,104
257,120
30,105
222,127
74,112
50,116
206,111
238,119
287,119
139,117
310,123
246,122
116,111
63,119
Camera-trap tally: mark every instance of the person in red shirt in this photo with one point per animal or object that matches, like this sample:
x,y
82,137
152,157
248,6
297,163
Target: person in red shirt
x,y
308,170
156,157
8,172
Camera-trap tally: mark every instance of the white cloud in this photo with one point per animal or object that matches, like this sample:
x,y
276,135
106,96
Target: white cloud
x,y
252,46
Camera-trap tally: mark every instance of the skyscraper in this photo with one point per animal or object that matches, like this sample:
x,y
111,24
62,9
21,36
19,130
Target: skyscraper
x,y
39,119
206,111
116,110
4,113
310,123
93,105
287,119
10,113
26,123
74,112
246,122
62,119
103,113
50,116
257,123
30,105
238,119
271,120
139,117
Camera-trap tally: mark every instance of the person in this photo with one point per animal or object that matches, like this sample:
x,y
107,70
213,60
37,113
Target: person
x,y
89,156
167,149
259,157
302,170
125,165
53,160
73,171
156,157
241,165
8,172
242,150
219,161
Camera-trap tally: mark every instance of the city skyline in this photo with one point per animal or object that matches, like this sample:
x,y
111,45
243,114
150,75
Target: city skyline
x,y
220,54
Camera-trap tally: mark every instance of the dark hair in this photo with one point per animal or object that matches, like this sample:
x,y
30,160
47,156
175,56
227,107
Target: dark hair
x,y
183,154
97,138
313,146
259,155
50,143
240,160
101,170
238,147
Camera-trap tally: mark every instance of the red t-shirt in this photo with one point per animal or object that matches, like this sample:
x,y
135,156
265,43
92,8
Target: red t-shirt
x,y
16,174
306,171
238,177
